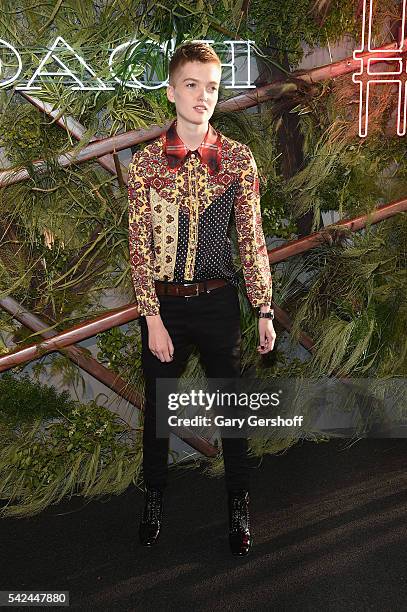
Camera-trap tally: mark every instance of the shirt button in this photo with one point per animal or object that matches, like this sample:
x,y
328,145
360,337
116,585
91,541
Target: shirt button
x,y
193,155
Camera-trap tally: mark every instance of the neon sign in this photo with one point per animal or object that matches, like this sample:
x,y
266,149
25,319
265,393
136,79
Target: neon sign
x,y
83,77
390,56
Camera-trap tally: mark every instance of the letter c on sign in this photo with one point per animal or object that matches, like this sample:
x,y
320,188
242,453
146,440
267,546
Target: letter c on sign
x,y
129,47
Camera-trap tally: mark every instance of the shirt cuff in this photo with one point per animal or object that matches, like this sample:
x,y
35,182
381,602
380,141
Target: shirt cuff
x,y
147,308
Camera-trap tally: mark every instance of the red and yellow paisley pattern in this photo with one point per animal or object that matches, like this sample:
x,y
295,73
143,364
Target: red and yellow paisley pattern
x,y
170,215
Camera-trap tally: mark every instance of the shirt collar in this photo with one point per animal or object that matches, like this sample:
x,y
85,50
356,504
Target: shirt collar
x,y
209,151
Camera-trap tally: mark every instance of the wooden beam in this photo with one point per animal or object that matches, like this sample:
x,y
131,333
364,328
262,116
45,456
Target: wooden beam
x,y
295,247
71,125
100,372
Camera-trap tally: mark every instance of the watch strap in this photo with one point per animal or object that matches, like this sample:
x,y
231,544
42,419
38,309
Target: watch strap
x,y
267,315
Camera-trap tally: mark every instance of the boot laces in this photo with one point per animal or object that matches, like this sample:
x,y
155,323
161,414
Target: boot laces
x,y
153,506
240,515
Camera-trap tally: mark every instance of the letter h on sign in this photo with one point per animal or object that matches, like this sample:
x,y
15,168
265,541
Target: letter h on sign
x,y
394,57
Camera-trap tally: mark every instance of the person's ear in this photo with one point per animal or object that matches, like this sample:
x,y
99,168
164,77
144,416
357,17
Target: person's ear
x,y
170,93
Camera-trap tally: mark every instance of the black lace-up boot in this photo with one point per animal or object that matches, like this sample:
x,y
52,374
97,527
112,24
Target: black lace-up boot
x,y
240,539
150,524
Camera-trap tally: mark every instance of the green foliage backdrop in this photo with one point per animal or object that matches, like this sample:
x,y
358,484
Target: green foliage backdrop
x,y
64,231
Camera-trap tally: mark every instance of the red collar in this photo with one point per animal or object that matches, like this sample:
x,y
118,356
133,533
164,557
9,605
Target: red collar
x,y
209,151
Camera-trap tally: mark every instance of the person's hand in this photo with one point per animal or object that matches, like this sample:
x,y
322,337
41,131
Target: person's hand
x,y
159,340
267,336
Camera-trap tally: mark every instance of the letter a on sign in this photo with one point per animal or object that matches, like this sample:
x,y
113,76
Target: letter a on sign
x,y
59,49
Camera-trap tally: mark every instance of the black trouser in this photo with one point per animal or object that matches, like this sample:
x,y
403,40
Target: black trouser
x,y
211,322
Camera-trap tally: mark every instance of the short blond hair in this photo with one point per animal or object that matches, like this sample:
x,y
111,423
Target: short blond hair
x,y
191,52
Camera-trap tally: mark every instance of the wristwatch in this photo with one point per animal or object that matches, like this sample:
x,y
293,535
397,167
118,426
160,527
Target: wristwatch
x,y
267,315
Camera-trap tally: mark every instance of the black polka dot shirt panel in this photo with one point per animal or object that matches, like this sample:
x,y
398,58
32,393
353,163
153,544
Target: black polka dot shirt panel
x,y
214,255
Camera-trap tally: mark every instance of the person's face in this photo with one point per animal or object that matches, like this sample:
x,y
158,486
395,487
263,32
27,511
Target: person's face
x,y
195,91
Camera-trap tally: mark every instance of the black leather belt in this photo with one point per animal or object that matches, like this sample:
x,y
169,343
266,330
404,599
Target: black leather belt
x,y
188,289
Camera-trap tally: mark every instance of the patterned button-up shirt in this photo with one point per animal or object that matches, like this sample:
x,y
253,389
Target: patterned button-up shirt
x,y
181,204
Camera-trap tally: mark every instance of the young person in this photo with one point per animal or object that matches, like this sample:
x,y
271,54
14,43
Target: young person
x,y
185,188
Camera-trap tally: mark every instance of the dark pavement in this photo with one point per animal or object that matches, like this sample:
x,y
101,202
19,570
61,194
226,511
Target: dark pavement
x,y
330,529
